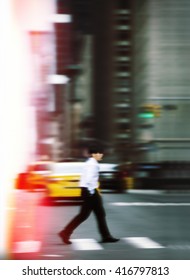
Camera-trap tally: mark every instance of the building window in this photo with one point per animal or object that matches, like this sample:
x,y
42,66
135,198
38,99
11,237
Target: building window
x,y
122,27
122,89
122,43
122,58
122,74
121,105
122,136
122,12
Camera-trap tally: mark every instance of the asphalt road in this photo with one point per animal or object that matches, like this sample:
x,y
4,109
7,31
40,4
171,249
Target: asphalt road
x,y
151,226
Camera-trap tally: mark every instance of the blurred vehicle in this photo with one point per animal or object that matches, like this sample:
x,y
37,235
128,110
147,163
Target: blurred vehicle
x,y
126,174
65,177
64,180
163,175
35,177
111,177
61,179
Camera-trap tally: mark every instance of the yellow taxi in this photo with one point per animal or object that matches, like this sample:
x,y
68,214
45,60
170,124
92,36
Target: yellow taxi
x,y
61,179
38,174
35,176
64,180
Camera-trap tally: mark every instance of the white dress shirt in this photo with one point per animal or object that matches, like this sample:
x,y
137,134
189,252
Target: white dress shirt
x,y
90,175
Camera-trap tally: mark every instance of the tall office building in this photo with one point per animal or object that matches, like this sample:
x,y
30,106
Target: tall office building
x,y
112,77
65,59
103,31
161,79
140,85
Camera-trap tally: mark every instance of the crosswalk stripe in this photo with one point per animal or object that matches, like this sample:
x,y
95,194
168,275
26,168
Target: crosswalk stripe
x,y
150,203
32,246
86,244
179,247
28,246
142,242
52,255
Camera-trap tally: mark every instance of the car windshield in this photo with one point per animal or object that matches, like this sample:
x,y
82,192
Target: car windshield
x,y
76,168
67,168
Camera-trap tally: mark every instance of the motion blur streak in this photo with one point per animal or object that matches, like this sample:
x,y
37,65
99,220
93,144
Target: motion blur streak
x,y
14,116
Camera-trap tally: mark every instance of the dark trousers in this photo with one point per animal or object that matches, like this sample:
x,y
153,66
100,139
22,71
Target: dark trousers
x,y
90,203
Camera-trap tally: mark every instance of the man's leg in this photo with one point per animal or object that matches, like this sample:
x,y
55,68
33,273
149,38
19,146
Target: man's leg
x,y
100,213
84,213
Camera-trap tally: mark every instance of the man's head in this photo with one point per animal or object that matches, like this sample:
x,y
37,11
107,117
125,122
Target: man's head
x,y
96,151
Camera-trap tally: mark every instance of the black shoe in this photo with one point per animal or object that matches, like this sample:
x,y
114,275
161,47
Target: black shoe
x,y
64,237
110,239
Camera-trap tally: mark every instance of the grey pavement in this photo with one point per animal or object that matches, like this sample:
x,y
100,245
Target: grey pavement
x,y
150,224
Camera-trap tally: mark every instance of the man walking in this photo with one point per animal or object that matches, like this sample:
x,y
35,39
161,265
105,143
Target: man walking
x,y
92,200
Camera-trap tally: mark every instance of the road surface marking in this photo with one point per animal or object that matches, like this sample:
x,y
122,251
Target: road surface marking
x,y
52,256
150,203
29,246
179,247
24,226
86,244
142,242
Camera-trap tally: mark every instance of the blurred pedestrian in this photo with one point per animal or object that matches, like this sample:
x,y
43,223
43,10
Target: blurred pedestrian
x,y
92,200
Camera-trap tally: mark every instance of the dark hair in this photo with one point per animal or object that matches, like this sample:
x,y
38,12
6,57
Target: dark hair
x,y
94,149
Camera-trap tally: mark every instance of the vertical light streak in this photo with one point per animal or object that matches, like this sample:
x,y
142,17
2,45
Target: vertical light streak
x,y
17,115
14,116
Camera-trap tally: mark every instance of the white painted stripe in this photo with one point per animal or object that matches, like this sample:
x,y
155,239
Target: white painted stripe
x,y
142,242
150,203
160,192
24,226
86,244
52,256
179,247
152,191
29,246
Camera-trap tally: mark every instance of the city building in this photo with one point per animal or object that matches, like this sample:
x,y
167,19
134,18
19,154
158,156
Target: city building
x,y
113,92
160,79
106,25
130,83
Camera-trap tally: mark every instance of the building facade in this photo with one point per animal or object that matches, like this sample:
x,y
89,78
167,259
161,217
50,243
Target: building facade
x,y
112,77
137,84
161,83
